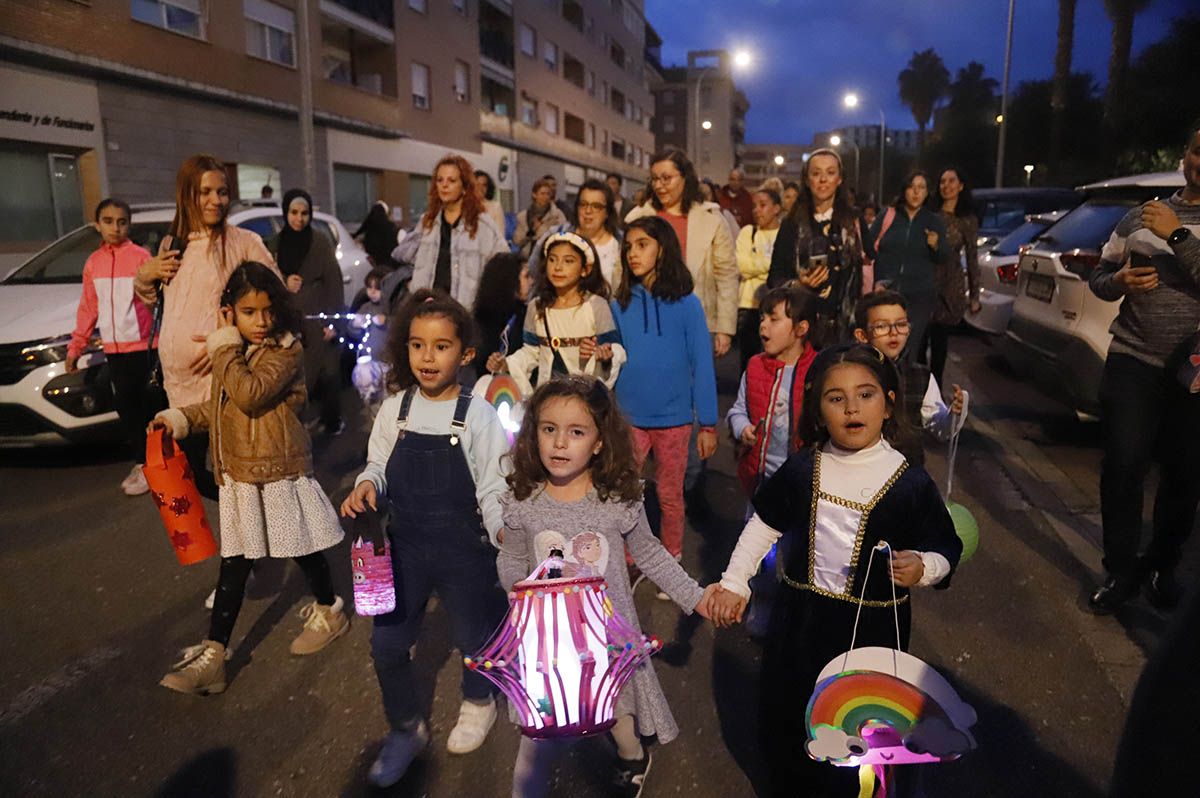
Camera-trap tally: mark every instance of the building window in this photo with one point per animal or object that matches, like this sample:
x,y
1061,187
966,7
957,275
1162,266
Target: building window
x,y
269,30
628,108
550,119
668,124
462,82
617,53
461,6
420,85
418,5
528,41
353,191
637,114
590,141
529,112
550,55
181,16
604,92
590,83
618,148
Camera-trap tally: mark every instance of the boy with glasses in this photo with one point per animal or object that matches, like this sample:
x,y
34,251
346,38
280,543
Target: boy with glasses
x,y
881,319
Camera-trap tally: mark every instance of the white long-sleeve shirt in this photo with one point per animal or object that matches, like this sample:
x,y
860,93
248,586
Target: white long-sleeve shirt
x,y
483,443
854,476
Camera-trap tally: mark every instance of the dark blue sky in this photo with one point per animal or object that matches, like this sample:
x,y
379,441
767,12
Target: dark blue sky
x,y
808,53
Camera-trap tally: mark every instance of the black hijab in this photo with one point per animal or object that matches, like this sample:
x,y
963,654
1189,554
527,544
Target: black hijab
x,y
293,245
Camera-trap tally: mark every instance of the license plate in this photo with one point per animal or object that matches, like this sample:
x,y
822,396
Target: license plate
x,y
1040,287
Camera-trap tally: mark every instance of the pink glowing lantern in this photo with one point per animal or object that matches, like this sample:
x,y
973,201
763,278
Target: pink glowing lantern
x,y
563,655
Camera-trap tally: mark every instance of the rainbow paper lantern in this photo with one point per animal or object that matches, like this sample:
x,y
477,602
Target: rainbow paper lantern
x,y
879,706
502,392
563,655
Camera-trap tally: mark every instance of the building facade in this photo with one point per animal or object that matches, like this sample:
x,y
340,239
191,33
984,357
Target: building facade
x,y
108,97
700,110
785,161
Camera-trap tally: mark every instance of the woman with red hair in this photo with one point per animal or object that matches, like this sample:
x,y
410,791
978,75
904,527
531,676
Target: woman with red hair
x,y
456,236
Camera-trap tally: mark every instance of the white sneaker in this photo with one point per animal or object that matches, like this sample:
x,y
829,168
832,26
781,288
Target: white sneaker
x,y
135,483
212,597
474,723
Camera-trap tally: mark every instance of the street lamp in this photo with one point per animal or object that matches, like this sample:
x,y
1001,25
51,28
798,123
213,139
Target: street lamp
x,y
742,59
779,160
850,100
1028,173
836,141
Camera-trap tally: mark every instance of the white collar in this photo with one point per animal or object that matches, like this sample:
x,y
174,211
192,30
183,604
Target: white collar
x,y
824,216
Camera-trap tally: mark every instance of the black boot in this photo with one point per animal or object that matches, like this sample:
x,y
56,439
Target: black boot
x,y
1162,590
1112,594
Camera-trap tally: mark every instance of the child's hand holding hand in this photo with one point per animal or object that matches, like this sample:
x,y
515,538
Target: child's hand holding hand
x,y
706,442
907,568
956,406
496,363
726,607
362,497
704,606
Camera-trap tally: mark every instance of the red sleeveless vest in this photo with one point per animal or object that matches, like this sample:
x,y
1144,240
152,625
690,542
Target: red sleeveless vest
x,y
764,381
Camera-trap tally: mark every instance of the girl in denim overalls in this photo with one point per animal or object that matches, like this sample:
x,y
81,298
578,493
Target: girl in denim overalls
x,y
435,454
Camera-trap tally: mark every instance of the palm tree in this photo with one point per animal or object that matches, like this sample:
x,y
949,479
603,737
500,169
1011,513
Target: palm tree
x,y
1062,73
973,93
1121,12
922,84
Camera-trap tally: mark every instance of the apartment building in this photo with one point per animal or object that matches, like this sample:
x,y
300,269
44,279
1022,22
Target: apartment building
x,y
701,110
103,97
785,161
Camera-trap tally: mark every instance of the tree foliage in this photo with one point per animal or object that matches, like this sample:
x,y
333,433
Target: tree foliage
x,y
923,83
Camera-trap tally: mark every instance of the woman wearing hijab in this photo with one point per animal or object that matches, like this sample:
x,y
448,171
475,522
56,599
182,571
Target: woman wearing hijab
x,y
311,272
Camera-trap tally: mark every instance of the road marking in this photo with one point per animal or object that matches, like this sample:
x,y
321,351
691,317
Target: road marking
x,y
65,678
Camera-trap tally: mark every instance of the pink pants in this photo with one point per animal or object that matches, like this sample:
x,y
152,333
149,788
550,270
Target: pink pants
x,y
670,445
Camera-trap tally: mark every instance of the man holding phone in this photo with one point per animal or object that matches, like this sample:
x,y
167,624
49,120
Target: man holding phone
x,y
1152,264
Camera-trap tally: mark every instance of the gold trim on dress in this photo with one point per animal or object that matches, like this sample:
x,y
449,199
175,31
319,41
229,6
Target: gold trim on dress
x,y
865,510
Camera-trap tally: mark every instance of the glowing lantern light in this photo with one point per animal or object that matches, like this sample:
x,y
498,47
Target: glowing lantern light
x,y
502,392
563,655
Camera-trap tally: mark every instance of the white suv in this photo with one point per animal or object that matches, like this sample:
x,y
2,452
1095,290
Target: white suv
x,y
40,403
1058,334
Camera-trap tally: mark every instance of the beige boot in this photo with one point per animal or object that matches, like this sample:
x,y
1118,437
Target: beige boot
x,y
200,672
322,625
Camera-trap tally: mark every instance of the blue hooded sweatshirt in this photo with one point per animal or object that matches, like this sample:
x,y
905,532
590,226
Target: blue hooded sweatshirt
x,y
668,380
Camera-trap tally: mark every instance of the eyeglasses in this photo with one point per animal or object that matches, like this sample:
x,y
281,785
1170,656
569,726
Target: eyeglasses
x,y
882,328
662,180
592,206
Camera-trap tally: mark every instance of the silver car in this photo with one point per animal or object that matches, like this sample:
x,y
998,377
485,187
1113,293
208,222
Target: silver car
x,y
998,274
1058,334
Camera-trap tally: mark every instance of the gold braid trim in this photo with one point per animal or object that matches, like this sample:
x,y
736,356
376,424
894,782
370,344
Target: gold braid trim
x,y
792,583
865,510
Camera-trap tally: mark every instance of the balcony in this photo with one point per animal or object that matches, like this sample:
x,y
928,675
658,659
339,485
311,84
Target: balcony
x,y
573,70
356,58
371,17
617,100
573,128
496,36
497,98
572,12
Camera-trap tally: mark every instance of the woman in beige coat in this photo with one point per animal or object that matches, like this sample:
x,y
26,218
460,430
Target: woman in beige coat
x,y
703,236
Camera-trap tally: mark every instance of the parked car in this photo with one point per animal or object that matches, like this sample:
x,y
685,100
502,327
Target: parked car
x,y
40,403
1058,334
998,274
1002,210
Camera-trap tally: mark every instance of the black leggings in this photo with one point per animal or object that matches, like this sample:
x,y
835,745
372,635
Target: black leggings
x,y
231,589
939,346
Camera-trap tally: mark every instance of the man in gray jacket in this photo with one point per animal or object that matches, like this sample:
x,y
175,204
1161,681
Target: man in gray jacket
x,y
1152,261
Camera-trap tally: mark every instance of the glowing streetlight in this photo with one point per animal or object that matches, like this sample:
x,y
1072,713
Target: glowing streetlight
x,y
706,124
999,119
850,100
742,59
1028,173
779,160
835,140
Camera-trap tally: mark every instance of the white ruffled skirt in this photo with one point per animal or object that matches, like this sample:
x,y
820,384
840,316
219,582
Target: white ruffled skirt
x,y
286,518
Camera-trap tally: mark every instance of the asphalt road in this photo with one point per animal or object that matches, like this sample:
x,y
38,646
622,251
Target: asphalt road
x,y
95,608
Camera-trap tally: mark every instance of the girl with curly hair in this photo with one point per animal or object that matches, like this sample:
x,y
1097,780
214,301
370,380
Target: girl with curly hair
x,y
434,452
574,479
456,236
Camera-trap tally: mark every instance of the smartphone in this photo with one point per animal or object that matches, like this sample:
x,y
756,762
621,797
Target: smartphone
x,y
817,261
1140,259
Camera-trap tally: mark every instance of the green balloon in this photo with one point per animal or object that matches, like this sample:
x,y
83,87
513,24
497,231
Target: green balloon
x,y
966,528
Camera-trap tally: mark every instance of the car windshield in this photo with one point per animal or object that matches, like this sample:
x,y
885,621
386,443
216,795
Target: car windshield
x,y
1086,227
63,261
1012,243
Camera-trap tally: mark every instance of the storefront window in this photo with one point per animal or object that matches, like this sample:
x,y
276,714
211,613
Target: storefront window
x,y
42,198
354,193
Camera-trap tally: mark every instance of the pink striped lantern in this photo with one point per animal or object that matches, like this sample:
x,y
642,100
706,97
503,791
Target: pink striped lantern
x,y
563,655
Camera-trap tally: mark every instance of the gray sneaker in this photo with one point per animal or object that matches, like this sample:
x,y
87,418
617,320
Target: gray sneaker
x,y
398,751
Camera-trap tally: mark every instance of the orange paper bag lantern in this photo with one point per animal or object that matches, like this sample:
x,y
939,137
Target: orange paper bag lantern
x,y
173,488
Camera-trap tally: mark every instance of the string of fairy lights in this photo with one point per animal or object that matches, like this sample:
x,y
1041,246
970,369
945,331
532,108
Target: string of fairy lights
x,y
365,319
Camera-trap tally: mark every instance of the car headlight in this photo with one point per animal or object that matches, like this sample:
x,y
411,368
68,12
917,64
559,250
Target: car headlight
x,y
54,350
82,393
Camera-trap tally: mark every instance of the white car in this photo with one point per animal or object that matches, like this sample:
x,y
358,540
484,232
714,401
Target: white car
x,y
998,269
1058,334
42,404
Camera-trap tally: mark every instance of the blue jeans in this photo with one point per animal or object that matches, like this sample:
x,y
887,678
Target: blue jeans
x,y
466,586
